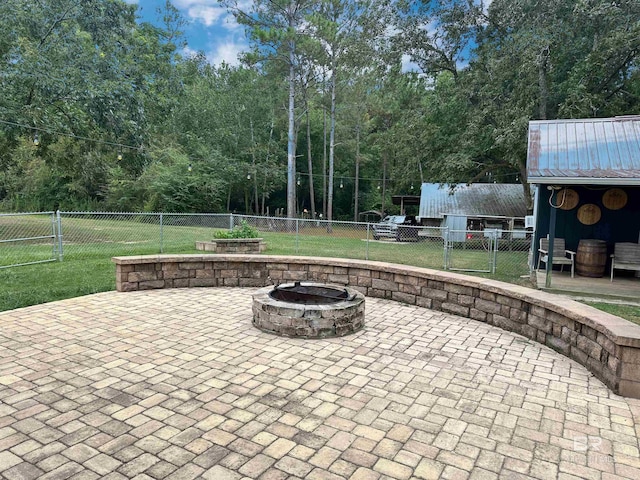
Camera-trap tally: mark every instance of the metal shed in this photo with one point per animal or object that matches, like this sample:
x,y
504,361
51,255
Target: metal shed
x,y
474,200
596,164
598,151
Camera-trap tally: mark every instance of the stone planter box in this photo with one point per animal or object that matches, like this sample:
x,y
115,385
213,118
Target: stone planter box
x,y
233,245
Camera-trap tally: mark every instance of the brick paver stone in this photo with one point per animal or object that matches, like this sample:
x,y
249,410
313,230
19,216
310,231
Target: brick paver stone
x,y
177,384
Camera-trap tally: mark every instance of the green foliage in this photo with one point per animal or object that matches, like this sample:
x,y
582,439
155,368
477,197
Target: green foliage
x,y
90,69
244,230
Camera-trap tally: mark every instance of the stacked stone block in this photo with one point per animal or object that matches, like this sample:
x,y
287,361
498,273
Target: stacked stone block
x,y
308,321
233,245
607,345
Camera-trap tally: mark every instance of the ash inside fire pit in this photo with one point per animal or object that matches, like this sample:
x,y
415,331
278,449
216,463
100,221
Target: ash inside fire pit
x,y
308,310
310,294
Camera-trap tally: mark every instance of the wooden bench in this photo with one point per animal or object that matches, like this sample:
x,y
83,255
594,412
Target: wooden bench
x,y
626,256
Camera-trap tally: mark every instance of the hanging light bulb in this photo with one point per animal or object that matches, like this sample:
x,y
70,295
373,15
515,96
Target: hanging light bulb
x,y
119,155
378,187
248,176
189,168
298,182
341,184
411,186
36,140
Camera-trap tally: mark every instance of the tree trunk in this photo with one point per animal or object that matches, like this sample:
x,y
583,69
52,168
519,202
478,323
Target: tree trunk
x,y
525,186
357,174
310,162
384,182
291,148
324,151
332,137
255,169
264,185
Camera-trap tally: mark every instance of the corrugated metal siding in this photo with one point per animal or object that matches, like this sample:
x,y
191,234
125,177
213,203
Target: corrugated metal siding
x,y
486,199
600,150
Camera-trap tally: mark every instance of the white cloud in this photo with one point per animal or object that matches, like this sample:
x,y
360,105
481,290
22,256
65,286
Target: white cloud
x,y
205,14
208,12
230,23
407,65
189,52
227,51
485,5
222,47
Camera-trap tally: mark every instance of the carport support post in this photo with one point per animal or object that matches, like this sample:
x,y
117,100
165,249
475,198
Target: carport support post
x,y
552,236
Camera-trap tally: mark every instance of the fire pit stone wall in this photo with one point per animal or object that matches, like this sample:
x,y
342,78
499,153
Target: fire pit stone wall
x,y
606,345
308,321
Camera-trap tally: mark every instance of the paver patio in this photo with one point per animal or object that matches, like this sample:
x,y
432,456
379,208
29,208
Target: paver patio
x,y
177,384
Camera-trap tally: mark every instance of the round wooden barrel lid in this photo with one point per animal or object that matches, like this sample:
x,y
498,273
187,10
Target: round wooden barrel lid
x,y
589,214
614,198
567,199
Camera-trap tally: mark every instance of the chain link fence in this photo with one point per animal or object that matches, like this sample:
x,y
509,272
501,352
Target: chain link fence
x,y
29,238
83,235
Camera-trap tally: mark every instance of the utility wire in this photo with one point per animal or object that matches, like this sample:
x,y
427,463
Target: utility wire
x,y
70,135
131,147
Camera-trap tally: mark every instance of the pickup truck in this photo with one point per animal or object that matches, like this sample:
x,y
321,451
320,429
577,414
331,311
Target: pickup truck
x,y
402,228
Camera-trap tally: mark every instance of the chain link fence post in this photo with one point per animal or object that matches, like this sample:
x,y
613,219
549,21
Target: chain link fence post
x,y
231,221
366,254
297,236
495,251
59,236
445,243
161,234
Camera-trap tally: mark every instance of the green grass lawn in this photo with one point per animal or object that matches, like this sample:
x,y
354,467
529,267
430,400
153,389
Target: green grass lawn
x,y
628,312
91,241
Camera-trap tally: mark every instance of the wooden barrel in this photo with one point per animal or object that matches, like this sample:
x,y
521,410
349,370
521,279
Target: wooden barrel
x,y
591,258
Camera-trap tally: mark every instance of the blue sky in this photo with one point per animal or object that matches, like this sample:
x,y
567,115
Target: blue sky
x,y
211,29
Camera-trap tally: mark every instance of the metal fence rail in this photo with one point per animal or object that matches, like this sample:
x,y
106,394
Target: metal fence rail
x,y
29,238
498,254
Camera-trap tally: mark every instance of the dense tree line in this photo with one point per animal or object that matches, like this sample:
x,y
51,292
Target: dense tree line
x,y
100,111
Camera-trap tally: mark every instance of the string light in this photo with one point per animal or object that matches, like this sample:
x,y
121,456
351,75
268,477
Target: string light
x,y
189,168
248,176
36,138
119,155
341,184
298,182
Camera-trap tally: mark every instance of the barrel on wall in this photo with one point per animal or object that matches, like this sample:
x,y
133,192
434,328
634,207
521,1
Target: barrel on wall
x,y
591,258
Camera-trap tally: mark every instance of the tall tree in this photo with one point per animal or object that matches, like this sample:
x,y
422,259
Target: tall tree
x,y
276,27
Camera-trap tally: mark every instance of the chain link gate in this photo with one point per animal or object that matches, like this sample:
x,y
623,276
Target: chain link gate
x,y
29,238
471,250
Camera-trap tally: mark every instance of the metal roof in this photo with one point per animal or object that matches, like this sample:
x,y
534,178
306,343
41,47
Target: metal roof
x,y
601,151
477,199
405,199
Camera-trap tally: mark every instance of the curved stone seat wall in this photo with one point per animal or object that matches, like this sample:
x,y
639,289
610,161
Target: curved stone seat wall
x,y
605,344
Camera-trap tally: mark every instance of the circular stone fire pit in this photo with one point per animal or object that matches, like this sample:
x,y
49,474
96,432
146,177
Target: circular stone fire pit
x,y
308,310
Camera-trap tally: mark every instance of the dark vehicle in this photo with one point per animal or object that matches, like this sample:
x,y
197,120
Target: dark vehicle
x,y
402,228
